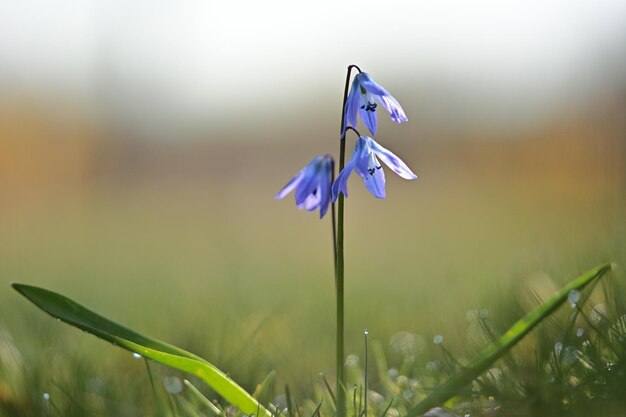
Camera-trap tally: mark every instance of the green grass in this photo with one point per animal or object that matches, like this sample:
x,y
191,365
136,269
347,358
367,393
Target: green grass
x,y
228,273
67,310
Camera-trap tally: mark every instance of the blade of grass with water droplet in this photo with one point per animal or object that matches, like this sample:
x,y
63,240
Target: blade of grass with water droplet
x,y
76,315
496,350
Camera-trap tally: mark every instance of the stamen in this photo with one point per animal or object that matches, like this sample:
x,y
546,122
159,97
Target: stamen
x,y
370,107
372,170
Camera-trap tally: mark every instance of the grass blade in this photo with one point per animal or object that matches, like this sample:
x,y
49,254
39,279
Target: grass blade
x,y
288,399
263,390
317,409
388,407
202,399
76,315
329,389
493,352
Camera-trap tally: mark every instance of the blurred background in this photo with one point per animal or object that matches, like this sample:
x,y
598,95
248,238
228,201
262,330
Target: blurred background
x,y
142,144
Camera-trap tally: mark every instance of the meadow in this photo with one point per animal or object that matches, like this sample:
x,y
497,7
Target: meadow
x,y
185,242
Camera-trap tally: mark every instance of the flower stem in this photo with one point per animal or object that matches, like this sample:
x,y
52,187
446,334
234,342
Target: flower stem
x,y
339,265
334,221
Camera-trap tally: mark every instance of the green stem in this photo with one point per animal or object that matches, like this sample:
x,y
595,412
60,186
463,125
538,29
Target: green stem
x,y
154,391
339,264
365,376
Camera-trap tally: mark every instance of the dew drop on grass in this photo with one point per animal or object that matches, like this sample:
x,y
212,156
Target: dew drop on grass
x,y
439,412
573,297
136,355
280,402
569,355
352,361
438,339
402,380
172,385
46,396
393,373
598,313
580,332
405,343
393,412
558,346
375,397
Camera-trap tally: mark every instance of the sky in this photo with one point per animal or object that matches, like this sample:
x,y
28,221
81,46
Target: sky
x,y
174,58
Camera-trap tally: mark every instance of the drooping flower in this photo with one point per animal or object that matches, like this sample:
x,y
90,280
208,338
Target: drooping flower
x,y
312,185
365,162
362,99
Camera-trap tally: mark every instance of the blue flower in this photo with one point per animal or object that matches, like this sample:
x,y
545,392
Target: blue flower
x,y
312,185
365,161
362,99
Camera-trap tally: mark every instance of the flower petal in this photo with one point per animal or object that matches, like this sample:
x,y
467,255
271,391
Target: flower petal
x,y
352,105
341,182
325,191
291,185
372,86
369,118
312,201
309,183
394,108
392,161
384,97
373,175
312,185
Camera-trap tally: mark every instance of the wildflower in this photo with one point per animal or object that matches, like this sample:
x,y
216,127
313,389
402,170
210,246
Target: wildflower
x,y
312,185
365,161
362,96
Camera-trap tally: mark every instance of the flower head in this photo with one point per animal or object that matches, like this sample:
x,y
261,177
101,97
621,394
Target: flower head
x,y
365,161
362,99
312,185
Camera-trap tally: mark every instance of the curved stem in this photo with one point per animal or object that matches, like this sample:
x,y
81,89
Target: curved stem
x,y
354,66
339,263
352,129
342,132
